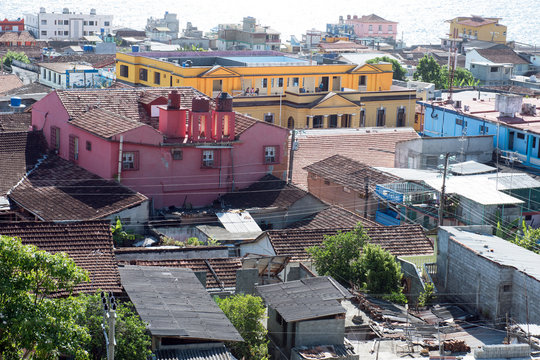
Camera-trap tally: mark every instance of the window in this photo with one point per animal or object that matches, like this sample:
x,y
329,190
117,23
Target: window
x,y
124,71
362,80
494,69
482,129
55,138
264,83
157,78
318,122
43,22
380,27
459,121
332,121
107,23
534,142
345,120
130,160
88,146
270,154
66,33
520,136
389,28
91,23
269,118
66,22
295,81
381,117
49,75
370,27
507,288
143,74
208,158
85,22
177,154
400,121
43,32
290,123
54,77
73,148
280,82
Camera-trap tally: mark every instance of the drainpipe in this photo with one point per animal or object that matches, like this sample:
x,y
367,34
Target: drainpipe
x,y
120,158
232,168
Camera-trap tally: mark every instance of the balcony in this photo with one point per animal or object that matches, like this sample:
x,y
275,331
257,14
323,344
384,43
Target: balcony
x,y
387,217
406,193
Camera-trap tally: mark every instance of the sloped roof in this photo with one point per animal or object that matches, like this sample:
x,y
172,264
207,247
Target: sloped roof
x,y
59,190
174,303
105,123
96,60
347,172
475,21
19,152
224,268
400,240
212,353
305,299
88,243
15,122
332,217
9,82
374,148
269,191
374,19
128,102
501,56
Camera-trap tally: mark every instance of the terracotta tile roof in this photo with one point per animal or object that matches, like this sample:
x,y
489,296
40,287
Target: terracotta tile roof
x,y
105,123
332,217
15,122
13,36
502,56
341,45
88,243
59,190
32,88
375,148
19,151
269,191
225,269
127,102
374,19
398,240
476,21
344,171
9,82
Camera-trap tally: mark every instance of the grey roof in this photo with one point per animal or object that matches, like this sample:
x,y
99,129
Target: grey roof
x,y
212,353
174,303
305,299
497,250
471,167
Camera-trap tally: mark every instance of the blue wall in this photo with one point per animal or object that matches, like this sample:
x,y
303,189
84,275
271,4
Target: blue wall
x,y
441,122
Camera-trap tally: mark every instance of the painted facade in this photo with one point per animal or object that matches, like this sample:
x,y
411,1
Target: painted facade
x,y
478,28
372,26
187,158
11,25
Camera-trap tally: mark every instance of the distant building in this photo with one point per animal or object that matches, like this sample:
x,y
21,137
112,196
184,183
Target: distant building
x,y
311,39
373,26
247,36
67,25
495,65
11,25
164,29
341,29
478,28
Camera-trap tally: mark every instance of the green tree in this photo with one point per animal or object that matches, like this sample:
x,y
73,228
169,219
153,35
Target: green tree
x,y
399,72
527,237
246,313
132,341
462,77
381,270
428,70
13,55
338,256
35,324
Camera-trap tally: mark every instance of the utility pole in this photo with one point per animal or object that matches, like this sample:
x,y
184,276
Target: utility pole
x,y
366,195
109,317
294,147
441,202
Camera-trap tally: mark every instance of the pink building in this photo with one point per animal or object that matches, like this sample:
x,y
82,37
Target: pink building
x,y
174,145
372,26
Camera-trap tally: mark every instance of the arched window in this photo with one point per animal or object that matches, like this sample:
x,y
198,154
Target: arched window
x,y
290,122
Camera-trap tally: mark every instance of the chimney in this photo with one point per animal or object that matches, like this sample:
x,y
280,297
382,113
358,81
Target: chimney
x,y
200,120
223,118
172,118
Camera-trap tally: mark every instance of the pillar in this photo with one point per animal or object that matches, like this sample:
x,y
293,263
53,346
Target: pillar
x,y
325,122
309,121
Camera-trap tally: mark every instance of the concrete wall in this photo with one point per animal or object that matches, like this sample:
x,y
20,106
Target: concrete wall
x,y
26,76
336,194
424,153
133,218
156,253
261,246
246,280
320,332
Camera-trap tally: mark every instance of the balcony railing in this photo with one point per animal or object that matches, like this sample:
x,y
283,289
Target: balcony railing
x,y
387,218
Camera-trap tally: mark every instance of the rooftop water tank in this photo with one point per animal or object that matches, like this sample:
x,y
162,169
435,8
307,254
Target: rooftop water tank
x,y
134,48
16,101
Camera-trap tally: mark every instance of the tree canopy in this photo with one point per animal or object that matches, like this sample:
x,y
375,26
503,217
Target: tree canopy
x,y
14,55
428,70
246,313
352,260
399,72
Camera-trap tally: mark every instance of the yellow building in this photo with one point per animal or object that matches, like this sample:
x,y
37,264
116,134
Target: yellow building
x,y
478,28
284,90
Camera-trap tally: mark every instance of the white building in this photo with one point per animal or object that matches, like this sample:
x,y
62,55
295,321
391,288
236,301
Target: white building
x,y
68,75
67,25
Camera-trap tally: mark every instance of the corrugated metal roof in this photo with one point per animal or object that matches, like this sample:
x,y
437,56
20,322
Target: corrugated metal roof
x,y
507,181
174,303
213,353
238,222
471,167
498,250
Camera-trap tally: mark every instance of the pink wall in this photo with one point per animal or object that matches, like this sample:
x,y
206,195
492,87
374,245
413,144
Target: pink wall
x,y
361,29
167,181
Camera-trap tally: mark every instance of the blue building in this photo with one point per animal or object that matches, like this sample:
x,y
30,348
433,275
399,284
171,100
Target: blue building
x,y
512,120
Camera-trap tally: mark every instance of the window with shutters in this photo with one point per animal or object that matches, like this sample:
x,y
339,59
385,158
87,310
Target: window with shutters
x,y
73,148
208,158
130,160
271,154
55,138
381,117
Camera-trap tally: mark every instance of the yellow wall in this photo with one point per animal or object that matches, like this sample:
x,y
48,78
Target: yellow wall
x,y
484,32
236,79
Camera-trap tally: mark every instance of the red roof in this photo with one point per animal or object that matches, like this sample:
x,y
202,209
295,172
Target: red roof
x,y
332,217
15,122
398,240
475,21
9,82
88,243
368,146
